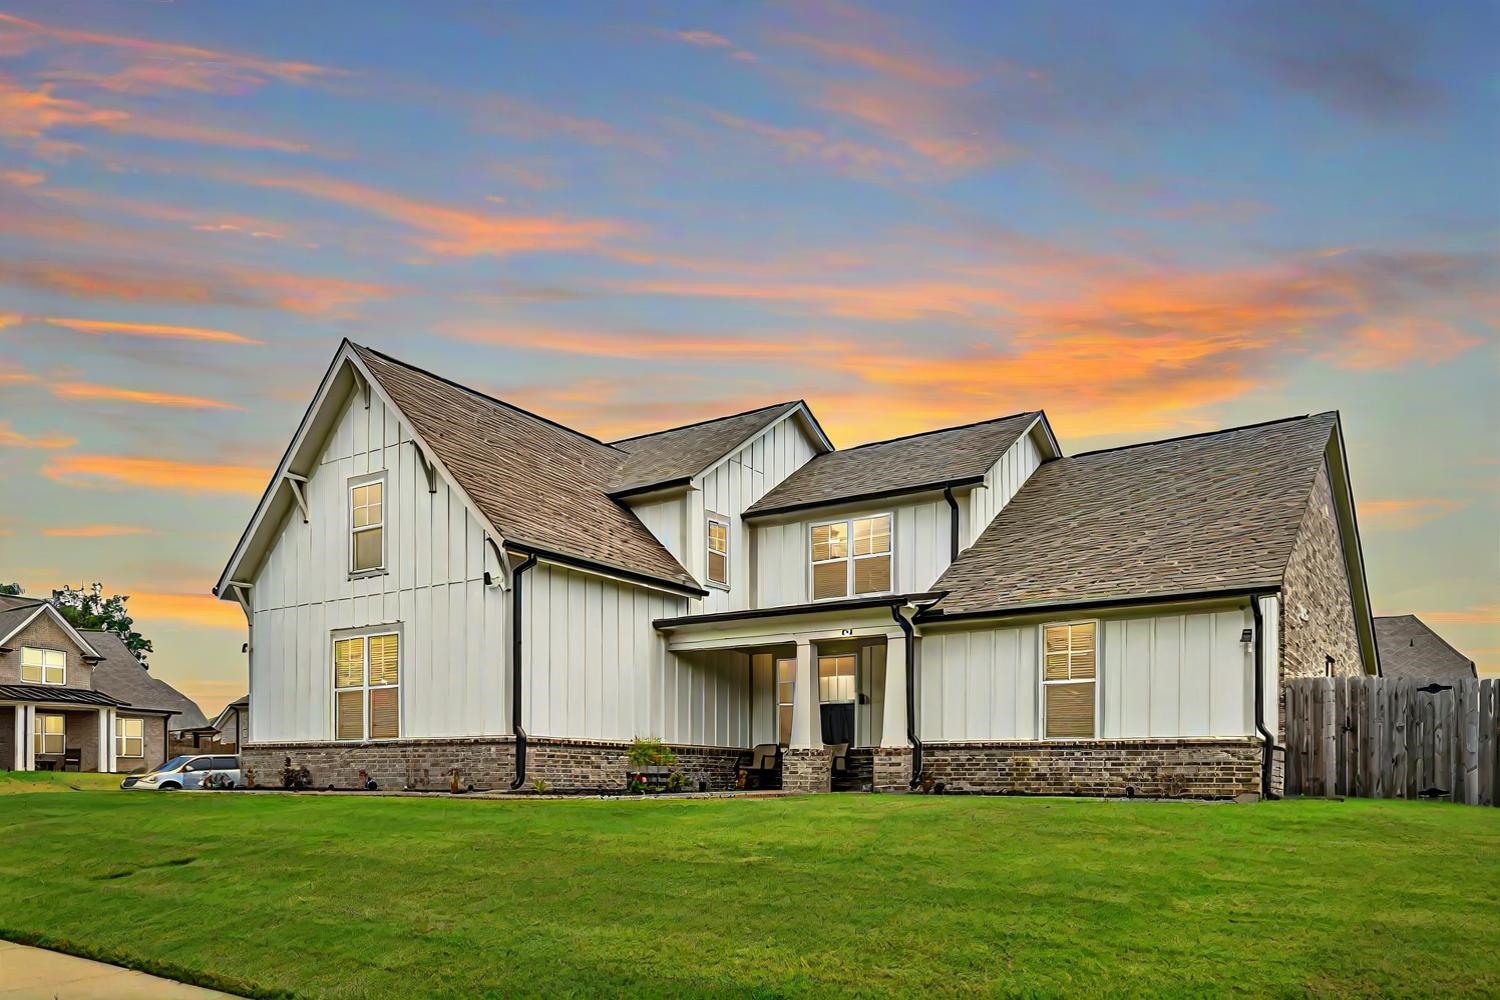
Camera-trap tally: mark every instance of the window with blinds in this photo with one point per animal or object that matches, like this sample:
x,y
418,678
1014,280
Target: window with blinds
x,y
836,678
43,666
1070,655
786,686
851,557
367,526
130,737
367,687
718,550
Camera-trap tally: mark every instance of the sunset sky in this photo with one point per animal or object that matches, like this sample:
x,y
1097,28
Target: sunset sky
x,y
1147,218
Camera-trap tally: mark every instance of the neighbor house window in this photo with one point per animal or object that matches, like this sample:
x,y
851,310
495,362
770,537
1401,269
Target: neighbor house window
x,y
130,738
367,687
718,550
851,557
367,526
1070,655
43,666
836,678
49,734
786,687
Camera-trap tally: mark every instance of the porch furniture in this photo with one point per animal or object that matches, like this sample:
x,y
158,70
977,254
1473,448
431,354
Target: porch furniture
x,y
46,763
72,759
840,757
764,760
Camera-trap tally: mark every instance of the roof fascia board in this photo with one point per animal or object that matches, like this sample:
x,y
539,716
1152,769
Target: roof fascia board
x,y
1045,426
795,610
1100,606
607,572
654,491
1354,555
809,424
863,498
72,633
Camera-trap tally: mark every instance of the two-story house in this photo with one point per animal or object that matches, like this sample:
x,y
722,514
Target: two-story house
x,y
79,699
437,579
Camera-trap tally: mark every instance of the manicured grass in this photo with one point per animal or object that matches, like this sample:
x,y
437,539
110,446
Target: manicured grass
x,y
17,782
366,897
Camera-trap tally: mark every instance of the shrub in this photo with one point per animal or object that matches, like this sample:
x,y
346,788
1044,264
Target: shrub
x,y
648,751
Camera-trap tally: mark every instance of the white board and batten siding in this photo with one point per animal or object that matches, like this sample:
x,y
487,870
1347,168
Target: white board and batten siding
x,y
595,668
1001,483
1161,677
454,641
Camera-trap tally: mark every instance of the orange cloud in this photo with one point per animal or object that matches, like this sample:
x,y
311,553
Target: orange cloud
x,y
100,327
1400,514
168,64
703,39
907,67
1401,340
186,609
22,178
639,345
844,156
1477,614
933,128
90,391
10,438
98,531
154,473
452,231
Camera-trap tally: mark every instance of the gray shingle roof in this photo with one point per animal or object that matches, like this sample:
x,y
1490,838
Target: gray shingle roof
x,y
682,452
1210,512
1410,649
54,693
542,485
120,675
14,611
906,464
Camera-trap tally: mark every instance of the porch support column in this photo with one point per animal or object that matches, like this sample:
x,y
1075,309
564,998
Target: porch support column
x,y
23,737
104,740
806,765
28,715
893,757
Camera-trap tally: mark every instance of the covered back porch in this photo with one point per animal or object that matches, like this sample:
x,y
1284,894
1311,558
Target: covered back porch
x,y
828,685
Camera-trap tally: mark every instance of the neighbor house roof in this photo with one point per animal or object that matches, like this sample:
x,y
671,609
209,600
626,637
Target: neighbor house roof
x,y
16,613
238,705
1206,513
931,460
680,453
1410,649
55,693
543,487
120,675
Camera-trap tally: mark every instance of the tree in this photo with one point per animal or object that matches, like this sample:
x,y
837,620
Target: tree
x,y
89,608
11,590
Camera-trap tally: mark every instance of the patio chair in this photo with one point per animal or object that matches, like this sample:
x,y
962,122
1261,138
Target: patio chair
x,y
72,759
840,755
761,765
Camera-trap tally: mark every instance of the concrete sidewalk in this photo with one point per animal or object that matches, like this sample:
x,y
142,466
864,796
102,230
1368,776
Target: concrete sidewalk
x,y
38,974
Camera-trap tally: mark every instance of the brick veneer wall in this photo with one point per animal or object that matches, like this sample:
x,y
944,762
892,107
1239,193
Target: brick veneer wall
x,y
44,632
1317,612
488,762
806,769
7,738
892,769
1213,769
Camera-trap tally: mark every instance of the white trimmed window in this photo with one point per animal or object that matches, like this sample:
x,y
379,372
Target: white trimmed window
x,y
851,557
367,687
836,678
718,550
49,733
1070,655
130,737
43,666
786,688
367,525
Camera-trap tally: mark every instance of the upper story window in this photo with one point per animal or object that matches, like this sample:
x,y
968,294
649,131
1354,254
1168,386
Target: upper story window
x,y
43,666
718,550
851,557
366,525
367,687
1071,655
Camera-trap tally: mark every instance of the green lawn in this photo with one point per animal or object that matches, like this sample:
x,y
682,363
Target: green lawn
x,y
344,897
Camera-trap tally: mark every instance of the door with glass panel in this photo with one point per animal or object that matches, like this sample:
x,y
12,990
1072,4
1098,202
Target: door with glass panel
x,y
836,697
786,687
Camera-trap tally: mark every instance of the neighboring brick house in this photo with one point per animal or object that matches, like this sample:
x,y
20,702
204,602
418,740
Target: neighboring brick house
x,y
78,699
436,579
1411,650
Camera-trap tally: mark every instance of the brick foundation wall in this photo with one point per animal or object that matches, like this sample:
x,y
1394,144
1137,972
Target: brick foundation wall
x,y
1207,769
892,769
806,769
488,763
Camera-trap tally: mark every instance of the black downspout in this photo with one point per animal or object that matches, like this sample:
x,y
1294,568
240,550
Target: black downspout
x,y
953,522
515,670
911,694
1268,742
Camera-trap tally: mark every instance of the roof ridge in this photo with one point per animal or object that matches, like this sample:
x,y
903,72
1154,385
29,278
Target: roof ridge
x,y
482,395
937,430
709,420
1204,434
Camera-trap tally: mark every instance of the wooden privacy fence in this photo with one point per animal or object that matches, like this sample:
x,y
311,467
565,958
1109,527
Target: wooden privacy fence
x,y
1378,737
